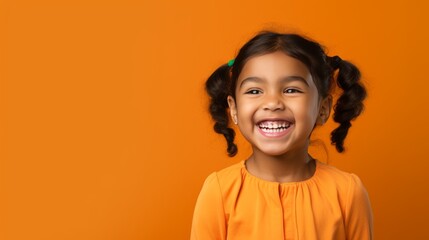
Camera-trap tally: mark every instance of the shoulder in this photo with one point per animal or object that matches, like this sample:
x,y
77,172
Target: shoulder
x,y
345,185
224,175
228,177
225,183
326,169
216,187
337,177
230,173
209,219
351,192
354,200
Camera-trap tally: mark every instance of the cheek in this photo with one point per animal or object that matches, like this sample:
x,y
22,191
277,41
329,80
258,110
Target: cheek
x,y
306,111
245,109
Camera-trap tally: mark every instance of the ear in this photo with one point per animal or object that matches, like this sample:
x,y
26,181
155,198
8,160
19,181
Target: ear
x,y
324,110
232,109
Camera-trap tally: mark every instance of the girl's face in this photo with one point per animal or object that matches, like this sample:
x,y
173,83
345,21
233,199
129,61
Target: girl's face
x,y
277,104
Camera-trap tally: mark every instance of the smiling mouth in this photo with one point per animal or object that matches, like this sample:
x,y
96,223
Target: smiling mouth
x,y
274,126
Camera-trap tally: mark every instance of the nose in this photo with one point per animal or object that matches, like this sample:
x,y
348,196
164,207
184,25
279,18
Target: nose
x,y
273,102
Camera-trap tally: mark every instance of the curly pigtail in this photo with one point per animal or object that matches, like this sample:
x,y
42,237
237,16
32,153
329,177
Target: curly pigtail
x,y
217,86
350,104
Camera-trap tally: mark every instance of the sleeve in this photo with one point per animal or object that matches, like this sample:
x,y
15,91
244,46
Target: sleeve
x,y
208,222
359,220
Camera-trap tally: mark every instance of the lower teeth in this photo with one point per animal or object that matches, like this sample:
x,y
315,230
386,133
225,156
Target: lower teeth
x,y
270,130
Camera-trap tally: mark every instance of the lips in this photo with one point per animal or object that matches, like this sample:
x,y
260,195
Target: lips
x,y
274,128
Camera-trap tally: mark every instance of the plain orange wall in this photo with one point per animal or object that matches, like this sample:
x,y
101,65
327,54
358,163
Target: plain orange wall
x,y
103,124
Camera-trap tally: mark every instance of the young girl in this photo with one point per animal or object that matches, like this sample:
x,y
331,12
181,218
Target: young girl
x,y
277,90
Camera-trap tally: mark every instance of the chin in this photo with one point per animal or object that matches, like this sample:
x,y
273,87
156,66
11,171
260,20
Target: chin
x,y
273,151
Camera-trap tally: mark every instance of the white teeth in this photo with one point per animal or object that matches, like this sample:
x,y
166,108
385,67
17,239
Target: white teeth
x,y
274,126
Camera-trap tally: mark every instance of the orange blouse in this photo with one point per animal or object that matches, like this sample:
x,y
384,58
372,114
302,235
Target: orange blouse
x,y
234,205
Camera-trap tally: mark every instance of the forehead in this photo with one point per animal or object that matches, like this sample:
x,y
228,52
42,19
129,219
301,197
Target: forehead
x,y
273,66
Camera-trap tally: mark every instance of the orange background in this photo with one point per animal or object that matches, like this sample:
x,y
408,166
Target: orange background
x,y
103,124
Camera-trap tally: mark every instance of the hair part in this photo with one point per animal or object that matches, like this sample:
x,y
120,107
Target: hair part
x,y
348,107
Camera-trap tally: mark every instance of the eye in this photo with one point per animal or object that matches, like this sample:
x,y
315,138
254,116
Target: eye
x,y
292,90
253,91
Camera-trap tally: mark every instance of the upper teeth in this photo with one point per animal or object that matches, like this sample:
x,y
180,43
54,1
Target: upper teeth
x,y
274,124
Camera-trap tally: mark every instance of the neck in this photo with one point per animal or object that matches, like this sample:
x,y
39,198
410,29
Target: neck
x,y
290,167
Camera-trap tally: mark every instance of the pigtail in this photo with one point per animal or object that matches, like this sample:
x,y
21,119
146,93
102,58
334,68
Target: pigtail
x,y
217,86
350,104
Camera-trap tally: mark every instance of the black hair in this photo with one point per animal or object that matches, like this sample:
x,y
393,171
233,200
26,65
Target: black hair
x,y
222,82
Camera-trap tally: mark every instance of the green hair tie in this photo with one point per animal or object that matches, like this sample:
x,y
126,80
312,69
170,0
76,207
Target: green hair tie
x,y
231,62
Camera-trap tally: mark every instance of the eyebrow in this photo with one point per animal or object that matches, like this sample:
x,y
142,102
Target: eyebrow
x,y
282,80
